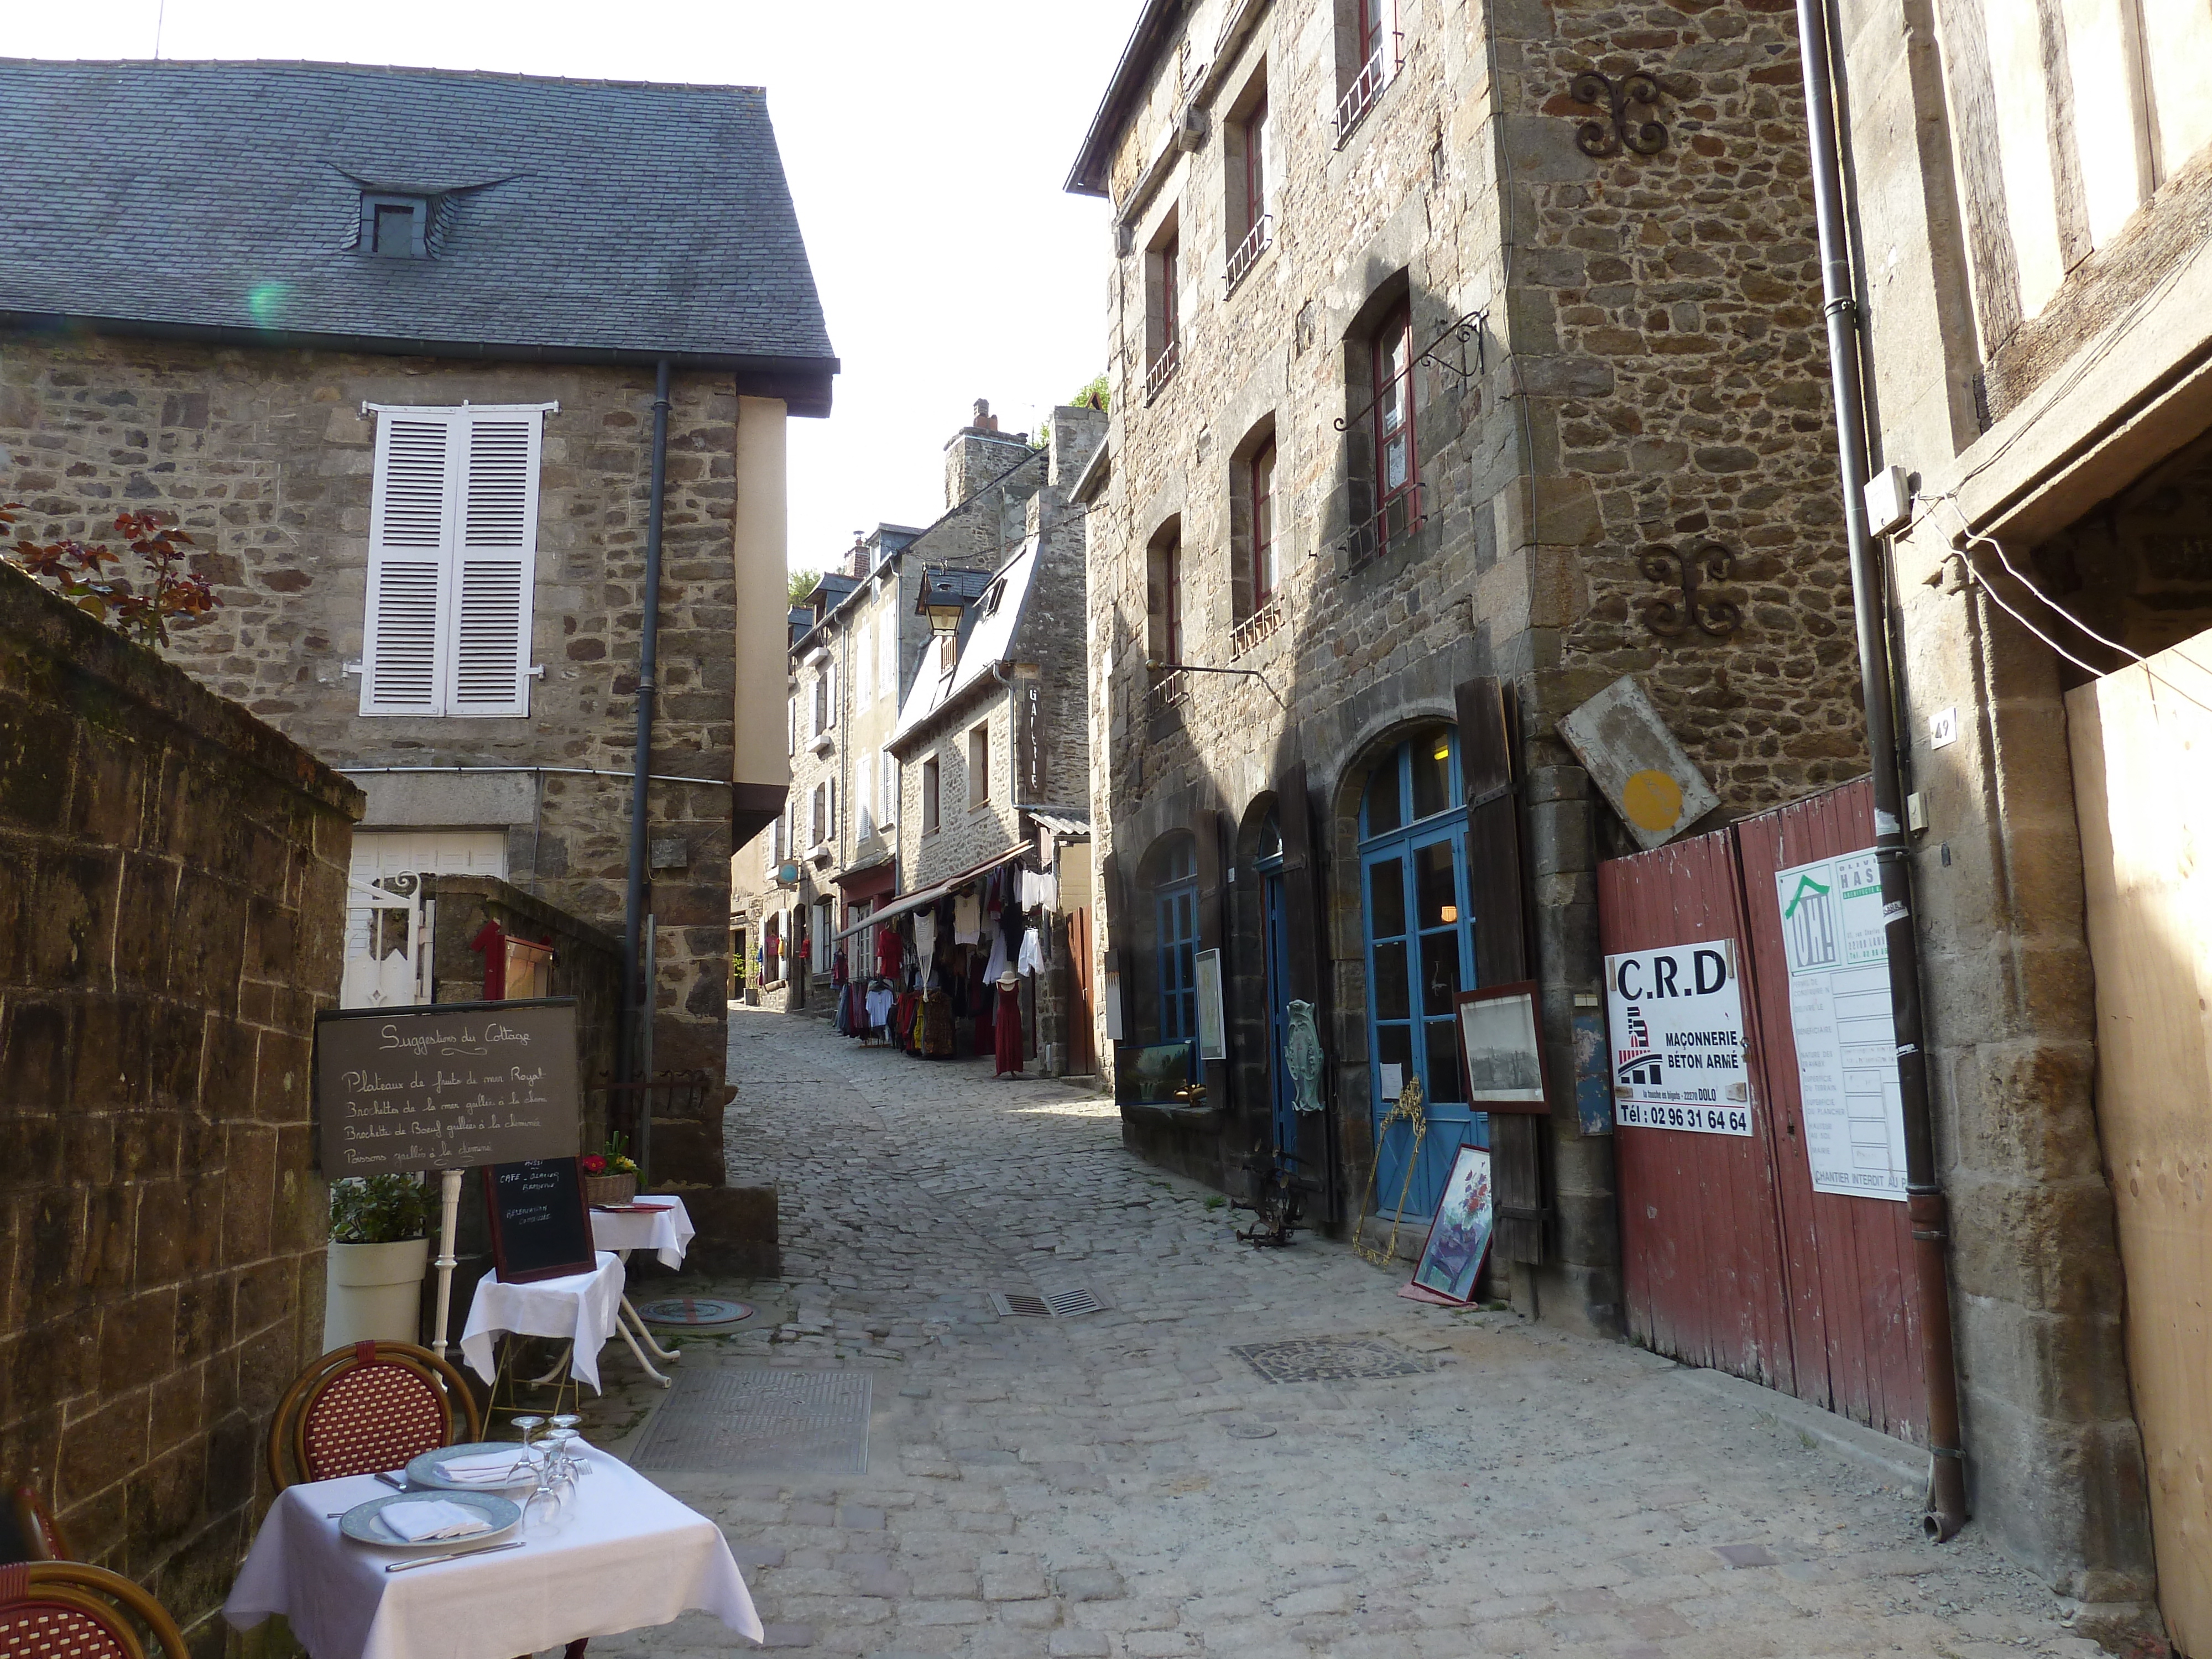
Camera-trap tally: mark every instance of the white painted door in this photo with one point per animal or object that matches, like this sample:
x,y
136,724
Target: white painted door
x,y
381,959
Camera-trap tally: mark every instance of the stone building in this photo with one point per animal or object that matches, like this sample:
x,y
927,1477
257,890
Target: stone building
x,y
861,643
1445,351
385,343
991,744
2029,212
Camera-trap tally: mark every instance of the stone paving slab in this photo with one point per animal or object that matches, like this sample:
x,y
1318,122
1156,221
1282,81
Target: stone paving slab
x,y
1121,1485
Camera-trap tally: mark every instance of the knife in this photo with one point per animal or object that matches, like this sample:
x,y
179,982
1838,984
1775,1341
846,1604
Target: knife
x,y
455,1555
395,1479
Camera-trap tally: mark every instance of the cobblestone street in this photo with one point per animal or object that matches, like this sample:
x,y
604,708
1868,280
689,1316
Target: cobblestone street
x,y
1122,1483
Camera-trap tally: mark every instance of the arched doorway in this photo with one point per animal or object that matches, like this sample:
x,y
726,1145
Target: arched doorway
x,y
1419,938
1275,954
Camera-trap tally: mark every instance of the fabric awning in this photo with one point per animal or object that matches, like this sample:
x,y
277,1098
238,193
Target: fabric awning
x,y
935,890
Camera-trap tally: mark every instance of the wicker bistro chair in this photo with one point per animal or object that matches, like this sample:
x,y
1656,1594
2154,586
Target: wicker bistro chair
x,y
369,1408
69,1610
38,1535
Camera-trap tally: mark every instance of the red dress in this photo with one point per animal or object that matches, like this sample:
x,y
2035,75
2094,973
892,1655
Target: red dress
x,y
1009,1024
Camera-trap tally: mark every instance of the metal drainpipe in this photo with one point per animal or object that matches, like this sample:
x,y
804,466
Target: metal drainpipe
x,y
1947,1479
638,1002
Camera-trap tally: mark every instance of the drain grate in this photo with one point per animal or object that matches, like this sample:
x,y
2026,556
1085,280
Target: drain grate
x,y
1054,1305
734,1421
1331,1359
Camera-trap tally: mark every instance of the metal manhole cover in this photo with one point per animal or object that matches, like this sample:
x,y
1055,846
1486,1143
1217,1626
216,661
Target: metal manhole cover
x,y
693,1312
1331,1359
730,1420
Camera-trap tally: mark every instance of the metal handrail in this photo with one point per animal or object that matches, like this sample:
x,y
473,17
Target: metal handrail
x,y
1256,242
1367,86
1379,539
1257,626
1163,370
1170,690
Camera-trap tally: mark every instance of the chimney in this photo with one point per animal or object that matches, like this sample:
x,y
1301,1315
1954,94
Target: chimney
x,y
856,562
977,454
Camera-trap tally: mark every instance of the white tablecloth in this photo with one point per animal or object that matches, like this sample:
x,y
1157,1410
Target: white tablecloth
x,y
668,1230
626,1556
581,1307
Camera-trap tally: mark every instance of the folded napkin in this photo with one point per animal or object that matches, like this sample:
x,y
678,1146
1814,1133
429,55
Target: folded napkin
x,y
420,1523
486,1469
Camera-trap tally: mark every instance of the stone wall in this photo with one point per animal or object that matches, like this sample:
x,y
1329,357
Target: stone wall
x,y
266,458
172,916
1639,368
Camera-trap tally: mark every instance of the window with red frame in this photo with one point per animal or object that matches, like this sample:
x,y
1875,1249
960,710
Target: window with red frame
x,y
1397,462
1374,19
1256,165
1264,573
1170,280
1164,602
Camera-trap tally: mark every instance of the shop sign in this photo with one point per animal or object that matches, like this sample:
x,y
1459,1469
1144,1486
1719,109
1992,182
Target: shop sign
x,y
1676,1016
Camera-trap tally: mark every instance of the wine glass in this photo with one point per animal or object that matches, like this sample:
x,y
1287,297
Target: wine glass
x,y
529,1425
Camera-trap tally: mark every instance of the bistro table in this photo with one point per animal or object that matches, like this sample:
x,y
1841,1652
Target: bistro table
x,y
660,1225
583,1308
625,1555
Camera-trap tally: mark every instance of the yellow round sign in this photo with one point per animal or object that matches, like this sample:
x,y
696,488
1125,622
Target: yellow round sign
x,y
1652,800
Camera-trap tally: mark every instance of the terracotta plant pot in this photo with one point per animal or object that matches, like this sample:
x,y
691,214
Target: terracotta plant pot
x,y
610,1189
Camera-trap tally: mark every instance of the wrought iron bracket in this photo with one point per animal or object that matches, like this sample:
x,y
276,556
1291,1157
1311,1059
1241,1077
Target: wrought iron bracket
x,y
1473,326
1686,604
1616,130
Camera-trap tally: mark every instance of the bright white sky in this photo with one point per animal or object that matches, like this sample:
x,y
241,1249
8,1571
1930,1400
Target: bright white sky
x,y
926,141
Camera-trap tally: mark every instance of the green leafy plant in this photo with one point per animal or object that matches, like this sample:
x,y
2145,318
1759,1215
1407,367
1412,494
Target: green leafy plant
x,y
79,573
804,582
380,1209
1095,395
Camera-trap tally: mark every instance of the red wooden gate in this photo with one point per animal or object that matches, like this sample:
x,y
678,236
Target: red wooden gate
x,y
1732,1261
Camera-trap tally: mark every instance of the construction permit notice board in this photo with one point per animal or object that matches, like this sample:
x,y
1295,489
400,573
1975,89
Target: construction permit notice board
x,y
1676,1014
1834,936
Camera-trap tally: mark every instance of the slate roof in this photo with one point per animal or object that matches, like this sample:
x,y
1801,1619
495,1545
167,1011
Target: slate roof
x,y
579,220
992,640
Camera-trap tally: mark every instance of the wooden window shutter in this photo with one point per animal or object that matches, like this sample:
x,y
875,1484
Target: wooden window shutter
x,y
1501,948
1302,906
403,630
495,563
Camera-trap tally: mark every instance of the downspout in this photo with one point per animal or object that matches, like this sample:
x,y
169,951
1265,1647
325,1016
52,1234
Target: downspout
x,y
638,1001
1947,1479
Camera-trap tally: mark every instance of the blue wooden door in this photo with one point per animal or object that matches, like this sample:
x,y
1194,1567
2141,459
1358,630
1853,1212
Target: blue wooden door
x,y
1419,938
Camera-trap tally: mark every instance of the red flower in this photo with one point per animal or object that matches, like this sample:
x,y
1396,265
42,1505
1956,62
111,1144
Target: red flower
x,y
594,1164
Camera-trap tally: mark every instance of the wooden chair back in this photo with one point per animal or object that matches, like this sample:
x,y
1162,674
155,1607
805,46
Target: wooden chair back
x,y
368,1407
72,1610
39,1535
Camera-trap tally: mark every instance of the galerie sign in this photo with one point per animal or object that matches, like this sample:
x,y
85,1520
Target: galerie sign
x,y
446,1088
1676,1021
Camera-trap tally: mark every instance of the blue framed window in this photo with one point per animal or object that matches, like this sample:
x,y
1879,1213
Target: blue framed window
x,y
1419,940
1176,914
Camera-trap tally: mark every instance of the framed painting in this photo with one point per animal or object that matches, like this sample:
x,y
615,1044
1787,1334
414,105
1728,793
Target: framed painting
x,y
1459,1237
1501,1048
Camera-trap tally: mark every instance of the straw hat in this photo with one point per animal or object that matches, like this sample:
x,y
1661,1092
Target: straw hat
x,y
1010,981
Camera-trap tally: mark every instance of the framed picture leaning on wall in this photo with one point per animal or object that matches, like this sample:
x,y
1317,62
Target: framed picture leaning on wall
x,y
1459,1237
1501,1047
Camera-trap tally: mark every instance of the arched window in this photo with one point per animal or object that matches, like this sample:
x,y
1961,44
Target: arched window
x,y
1419,940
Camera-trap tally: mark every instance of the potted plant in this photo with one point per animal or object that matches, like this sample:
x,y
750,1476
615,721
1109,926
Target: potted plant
x,y
611,1177
380,1247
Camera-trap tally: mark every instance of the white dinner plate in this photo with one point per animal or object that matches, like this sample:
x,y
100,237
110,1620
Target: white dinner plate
x,y
422,1471
359,1522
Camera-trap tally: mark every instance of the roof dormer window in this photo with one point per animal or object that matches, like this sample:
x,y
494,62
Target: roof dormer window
x,y
395,227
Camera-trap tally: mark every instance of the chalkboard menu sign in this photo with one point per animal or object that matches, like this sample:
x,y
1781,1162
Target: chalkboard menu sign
x,y
540,1228
448,1087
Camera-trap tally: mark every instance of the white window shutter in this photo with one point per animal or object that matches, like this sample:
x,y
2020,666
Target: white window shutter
x,y
890,766
495,563
890,666
864,692
405,627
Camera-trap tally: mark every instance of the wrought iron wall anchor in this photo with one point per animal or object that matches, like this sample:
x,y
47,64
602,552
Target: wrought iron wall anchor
x,y
1617,132
1687,574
